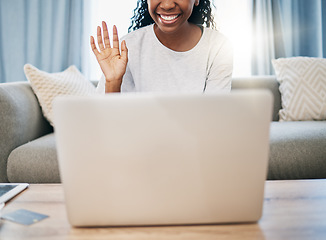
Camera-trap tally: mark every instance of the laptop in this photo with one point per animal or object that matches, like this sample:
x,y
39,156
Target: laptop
x,y
163,159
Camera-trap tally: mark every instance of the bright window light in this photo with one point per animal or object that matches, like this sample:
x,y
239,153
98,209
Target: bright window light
x,y
233,19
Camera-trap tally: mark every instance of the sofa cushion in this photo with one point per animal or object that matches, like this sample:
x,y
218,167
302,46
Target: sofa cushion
x,y
47,86
297,150
34,162
303,88
261,82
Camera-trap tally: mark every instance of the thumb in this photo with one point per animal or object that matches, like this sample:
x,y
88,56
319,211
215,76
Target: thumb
x,y
124,50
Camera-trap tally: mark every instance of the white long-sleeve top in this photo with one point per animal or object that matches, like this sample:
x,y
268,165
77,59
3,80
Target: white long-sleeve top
x,y
152,67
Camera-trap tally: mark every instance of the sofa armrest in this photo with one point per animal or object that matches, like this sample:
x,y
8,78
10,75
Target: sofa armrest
x,y
21,120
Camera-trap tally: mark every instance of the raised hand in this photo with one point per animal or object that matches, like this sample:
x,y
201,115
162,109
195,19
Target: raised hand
x,y
113,63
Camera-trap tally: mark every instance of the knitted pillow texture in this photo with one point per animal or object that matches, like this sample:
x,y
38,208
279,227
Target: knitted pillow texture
x,y
303,88
48,86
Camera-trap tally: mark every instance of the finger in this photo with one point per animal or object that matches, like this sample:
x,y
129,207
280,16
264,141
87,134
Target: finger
x,y
124,50
106,35
99,38
115,37
93,46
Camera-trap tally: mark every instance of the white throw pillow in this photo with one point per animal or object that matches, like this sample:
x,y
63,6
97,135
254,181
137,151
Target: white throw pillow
x,y
47,86
303,88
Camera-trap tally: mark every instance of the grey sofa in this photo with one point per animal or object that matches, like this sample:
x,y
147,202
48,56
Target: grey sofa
x,y
28,149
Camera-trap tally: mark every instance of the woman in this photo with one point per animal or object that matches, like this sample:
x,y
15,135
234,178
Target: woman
x,y
172,49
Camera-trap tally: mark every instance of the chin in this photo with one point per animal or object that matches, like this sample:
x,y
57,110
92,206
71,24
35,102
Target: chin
x,y
168,29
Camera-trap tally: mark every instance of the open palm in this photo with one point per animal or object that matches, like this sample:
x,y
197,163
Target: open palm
x,y
113,63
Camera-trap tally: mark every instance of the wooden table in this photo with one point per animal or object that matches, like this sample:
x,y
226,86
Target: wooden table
x,y
292,210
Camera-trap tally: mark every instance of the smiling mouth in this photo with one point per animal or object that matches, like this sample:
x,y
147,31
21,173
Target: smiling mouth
x,y
168,18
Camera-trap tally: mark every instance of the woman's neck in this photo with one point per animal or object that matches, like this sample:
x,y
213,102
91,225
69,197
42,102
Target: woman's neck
x,y
185,39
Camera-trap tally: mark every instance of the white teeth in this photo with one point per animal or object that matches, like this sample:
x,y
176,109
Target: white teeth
x,y
169,18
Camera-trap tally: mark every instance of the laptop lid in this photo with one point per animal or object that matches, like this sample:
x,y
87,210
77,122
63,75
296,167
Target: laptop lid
x,y
146,159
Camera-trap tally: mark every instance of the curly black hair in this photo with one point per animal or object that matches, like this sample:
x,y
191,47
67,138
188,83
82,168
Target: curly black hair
x,y
201,15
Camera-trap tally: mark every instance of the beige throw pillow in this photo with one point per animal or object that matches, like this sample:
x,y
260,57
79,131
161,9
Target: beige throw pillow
x,y
47,86
303,88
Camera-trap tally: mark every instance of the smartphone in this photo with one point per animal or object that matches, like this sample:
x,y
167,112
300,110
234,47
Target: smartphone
x,y
9,190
